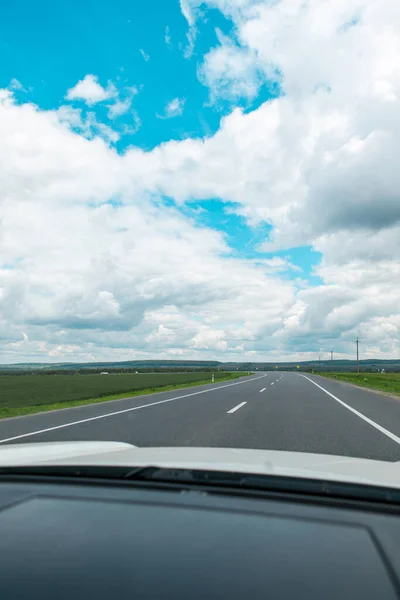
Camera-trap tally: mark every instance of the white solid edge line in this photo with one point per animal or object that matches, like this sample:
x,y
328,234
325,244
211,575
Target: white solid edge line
x,y
389,434
263,390
126,410
229,412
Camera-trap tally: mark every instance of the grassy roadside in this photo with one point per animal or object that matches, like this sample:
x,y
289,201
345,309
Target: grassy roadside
x,y
7,412
381,382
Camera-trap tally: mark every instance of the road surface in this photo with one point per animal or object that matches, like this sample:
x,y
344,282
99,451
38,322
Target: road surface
x,y
273,410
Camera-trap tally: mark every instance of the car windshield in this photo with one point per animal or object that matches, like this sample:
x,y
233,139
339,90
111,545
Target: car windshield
x,y
200,229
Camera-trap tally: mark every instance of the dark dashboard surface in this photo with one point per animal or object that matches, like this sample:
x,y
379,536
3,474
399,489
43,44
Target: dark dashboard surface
x,y
63,540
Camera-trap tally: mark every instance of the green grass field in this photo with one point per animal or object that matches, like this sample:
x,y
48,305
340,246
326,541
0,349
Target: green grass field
x,y
383,382
25,394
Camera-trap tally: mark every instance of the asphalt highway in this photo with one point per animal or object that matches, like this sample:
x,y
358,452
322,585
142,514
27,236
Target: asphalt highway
x,y
273,410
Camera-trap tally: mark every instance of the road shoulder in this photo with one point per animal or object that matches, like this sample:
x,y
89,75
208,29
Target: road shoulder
x,y
358,387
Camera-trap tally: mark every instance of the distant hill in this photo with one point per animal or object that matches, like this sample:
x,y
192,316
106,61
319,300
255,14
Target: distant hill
x,y
369,365
122,364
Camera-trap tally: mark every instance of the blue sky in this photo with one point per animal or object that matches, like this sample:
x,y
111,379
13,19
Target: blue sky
x,y
57,44
105,39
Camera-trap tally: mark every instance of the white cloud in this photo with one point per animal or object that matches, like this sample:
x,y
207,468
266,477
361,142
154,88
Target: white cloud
x,y
134,126
87,125
146,56
187,9
118,108
231,72
174,108
318,163
190,16
320,157
120,103
79,286
90,91
16,85
191,40
209,339
167,37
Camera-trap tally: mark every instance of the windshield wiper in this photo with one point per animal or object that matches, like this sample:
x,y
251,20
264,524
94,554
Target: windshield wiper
x,y
74,471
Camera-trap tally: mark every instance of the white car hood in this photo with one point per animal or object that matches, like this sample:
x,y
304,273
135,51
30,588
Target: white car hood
x,y
269,462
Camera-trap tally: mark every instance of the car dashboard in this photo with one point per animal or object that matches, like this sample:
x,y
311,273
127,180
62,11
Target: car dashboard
x,y
65,537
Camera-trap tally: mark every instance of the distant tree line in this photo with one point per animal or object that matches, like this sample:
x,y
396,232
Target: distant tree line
x,y
338,366
110,371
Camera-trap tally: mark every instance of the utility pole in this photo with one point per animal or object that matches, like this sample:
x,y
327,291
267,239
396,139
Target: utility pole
x,y
358,356
331,354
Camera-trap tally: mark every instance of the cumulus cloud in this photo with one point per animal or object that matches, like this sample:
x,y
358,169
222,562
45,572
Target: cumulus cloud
x,y
87,124
332,132
121,107
174,108
72,295
119,104
324,149
90,91
122,104
318,162
231,72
